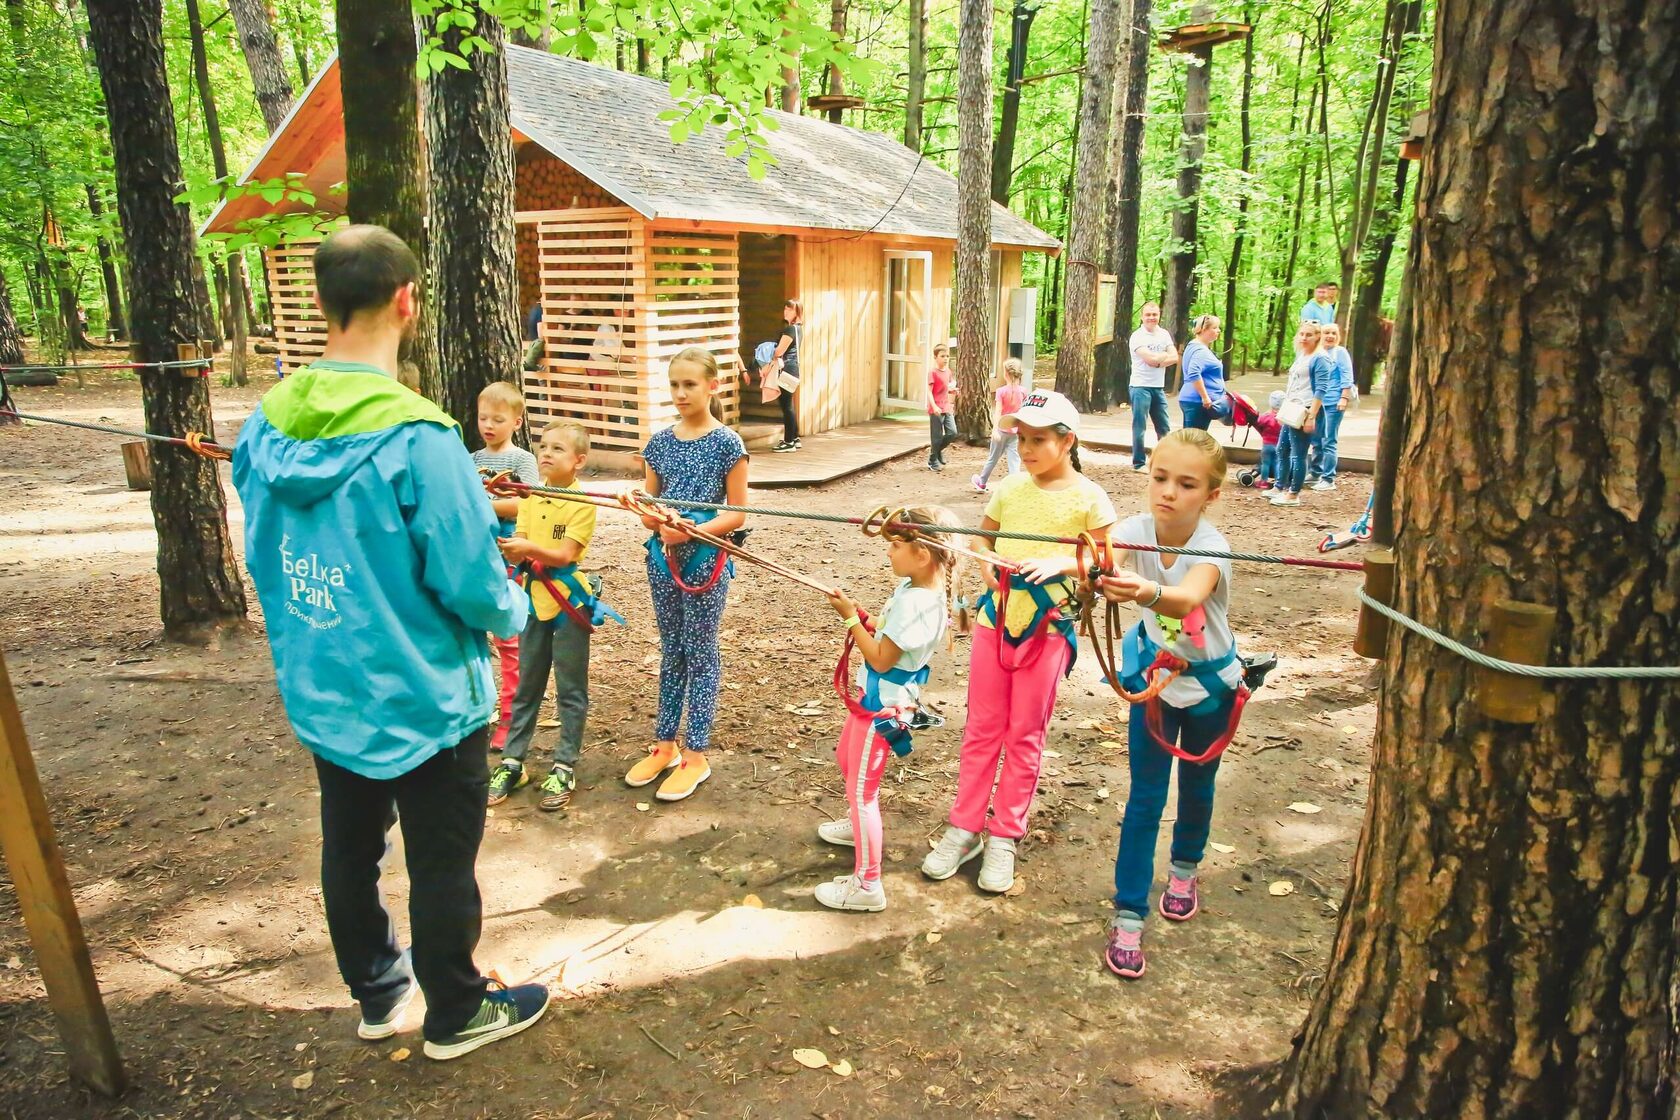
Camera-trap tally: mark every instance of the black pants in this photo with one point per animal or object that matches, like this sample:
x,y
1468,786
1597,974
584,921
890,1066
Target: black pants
x,y
443,798
790,418
942,433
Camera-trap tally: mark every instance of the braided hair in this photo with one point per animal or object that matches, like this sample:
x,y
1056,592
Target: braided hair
x,y
938,517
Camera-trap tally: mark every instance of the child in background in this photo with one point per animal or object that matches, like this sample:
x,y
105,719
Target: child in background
x,y
1270,428
1185,474
501,410
942,420
895,666
1023,647
554,533
1004,439
698,459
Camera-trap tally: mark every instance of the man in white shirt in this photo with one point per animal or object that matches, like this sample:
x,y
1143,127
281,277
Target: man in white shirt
x,y
1152,353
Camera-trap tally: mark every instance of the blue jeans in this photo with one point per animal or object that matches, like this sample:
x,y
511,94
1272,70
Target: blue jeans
x,y
1199,415
1292,459
1134,864
1147,404
1325,433
1269,462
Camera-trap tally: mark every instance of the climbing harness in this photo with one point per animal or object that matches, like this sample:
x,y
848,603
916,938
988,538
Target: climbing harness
x,y
893,724
575,596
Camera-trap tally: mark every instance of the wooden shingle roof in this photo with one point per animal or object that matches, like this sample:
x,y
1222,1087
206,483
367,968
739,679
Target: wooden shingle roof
x,y
606,125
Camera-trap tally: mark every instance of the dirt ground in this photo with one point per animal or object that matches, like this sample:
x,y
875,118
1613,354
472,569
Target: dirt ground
x,y
689,957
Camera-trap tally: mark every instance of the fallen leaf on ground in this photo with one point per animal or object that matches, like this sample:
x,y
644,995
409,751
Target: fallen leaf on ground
x,y
1103,793
1350,729
753,901
14,963
934,937
1281,888
400,1054
1109,745
304,1080
810,1059
1227,849
1306,807
1052,754
301,1047
642,806
842,1067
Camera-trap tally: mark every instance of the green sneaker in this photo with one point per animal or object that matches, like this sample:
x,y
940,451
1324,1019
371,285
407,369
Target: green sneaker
x,y
557,789
507,777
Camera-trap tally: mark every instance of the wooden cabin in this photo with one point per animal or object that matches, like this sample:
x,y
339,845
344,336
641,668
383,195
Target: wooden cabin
x,y
637,247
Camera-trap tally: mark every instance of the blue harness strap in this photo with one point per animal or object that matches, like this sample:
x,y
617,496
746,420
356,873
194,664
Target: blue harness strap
x,y
1139,651
891,727
1044,604
580,593
701,557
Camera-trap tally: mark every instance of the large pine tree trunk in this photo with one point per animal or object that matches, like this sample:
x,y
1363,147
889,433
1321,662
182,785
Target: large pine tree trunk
x,y
473,264
1074,356
199,584
114,317
1014,68
974,218
11,339
385,160
262,55
1508,947
915,80
1181,262
1125,195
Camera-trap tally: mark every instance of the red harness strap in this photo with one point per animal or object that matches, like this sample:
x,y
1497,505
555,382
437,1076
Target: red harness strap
x,y
1152,722
573,612
843,673
694,589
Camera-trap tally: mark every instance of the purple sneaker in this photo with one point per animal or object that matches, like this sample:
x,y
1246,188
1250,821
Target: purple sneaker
x,y
1124,955
1180,902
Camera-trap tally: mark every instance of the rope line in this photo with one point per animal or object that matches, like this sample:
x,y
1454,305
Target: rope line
x,y
1517,668
193,441
183,364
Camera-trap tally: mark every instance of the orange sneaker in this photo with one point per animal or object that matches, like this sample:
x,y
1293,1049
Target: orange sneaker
x,y
661,757
685,779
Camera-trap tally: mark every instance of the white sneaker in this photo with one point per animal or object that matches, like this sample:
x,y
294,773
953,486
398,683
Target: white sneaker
x,y
954,849
1323,484
837,832
1141,468
997,870
848,892
1286,499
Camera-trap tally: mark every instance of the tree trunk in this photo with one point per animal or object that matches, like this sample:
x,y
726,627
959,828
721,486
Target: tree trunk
x,y
11,339
1507,947
1367,305
473,257
1396,401
1235,267
915,81
1181,262
974,218
262,56
1125,196
1075,357
1286,309
199,584
107,268
1015,68
385,159
230,289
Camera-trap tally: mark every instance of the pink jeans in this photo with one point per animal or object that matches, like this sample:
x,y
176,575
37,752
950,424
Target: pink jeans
x,y
862,756
1008,714
507,652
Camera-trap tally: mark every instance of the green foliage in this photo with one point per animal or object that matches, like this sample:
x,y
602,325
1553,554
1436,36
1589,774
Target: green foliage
x,y
270,229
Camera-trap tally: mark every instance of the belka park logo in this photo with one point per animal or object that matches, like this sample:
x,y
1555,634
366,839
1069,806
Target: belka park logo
x,y
313,584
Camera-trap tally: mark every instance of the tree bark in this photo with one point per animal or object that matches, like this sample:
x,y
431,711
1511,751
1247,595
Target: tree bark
x,y
1507,947
1181,262
1367,304
1075,356
974,218
915,79
1235,266
1396,403
1015,68
1286,304
473,262
231,290
385,159
107,269
11,339
262,56
1125,196
199,584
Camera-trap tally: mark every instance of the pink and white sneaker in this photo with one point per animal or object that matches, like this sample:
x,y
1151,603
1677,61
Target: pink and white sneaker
x,y
1124,954
1180,902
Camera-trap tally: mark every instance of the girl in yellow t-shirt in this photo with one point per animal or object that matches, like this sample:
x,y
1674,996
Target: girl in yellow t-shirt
x,y
1015,666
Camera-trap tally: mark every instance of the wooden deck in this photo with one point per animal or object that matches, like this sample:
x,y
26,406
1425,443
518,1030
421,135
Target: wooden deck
x,y
839,453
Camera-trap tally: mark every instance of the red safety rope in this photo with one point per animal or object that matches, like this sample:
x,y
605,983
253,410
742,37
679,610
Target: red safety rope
x,y
573,612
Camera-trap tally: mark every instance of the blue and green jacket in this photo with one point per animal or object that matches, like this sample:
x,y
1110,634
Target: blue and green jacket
x,y
373,551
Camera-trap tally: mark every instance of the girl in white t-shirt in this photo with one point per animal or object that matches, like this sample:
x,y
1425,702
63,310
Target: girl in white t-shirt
x,y
1186,603
896,654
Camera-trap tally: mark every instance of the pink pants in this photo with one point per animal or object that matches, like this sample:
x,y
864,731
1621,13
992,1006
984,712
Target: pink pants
x,y
507,652
862,756
1008,714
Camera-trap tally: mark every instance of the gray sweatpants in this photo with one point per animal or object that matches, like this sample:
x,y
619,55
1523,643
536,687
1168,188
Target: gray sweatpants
x,y
562,646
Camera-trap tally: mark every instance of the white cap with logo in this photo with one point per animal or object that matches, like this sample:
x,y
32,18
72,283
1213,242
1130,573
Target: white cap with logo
x,y
1045,408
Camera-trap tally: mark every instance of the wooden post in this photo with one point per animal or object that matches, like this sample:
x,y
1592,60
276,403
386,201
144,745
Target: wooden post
x,y
1370,639
49,911
137,463
1520,632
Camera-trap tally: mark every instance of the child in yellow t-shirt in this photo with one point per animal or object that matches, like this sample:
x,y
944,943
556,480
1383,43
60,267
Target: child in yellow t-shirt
x,y
549,540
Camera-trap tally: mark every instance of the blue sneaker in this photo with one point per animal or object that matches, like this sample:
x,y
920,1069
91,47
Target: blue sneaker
x,y
381,1021
504,1012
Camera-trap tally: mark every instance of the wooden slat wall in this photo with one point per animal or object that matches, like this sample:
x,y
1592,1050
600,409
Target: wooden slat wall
x,y
840,285
694,299
1007,280
594,269
300,333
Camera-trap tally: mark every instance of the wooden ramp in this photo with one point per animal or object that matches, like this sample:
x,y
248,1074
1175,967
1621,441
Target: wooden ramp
x,y
839,453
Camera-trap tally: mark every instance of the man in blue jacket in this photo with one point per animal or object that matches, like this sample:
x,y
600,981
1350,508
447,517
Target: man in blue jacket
x,y
373,551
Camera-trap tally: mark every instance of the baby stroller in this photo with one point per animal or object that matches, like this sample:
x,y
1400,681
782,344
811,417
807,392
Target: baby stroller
x,y
1243,415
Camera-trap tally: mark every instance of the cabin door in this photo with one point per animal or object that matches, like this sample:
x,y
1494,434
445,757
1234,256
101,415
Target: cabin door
x,y
909,292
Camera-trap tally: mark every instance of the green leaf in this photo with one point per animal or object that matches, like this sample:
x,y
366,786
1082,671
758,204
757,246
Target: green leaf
x,y
679,132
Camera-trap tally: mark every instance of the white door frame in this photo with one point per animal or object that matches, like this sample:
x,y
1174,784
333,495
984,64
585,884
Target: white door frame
x,y
922,339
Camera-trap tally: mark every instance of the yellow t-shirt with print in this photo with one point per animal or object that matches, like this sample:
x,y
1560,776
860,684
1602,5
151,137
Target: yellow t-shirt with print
x,y
1020,505
546,522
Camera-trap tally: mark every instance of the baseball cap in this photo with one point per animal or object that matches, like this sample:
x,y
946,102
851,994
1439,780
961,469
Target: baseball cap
x,y
1045,408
